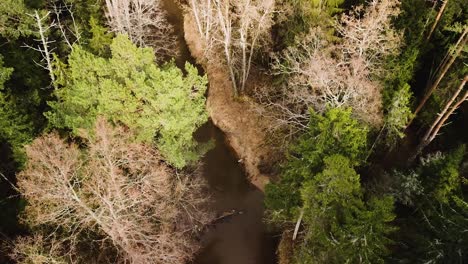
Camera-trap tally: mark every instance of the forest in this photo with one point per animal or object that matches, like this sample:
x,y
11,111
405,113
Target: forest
x,y
233,131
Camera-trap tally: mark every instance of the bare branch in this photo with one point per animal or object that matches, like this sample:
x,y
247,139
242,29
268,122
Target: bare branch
x,y
121,190
144,22
44,41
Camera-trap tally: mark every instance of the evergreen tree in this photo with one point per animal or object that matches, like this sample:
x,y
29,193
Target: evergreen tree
x,y
335,132
15,126
14,20
297,17
158,103
341,227
436,231
319,183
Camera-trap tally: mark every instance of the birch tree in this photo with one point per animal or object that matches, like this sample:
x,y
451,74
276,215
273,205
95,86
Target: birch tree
x,y
235,29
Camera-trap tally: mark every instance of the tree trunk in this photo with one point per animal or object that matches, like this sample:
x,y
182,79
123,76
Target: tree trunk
x,y
439,15
46,54
448,110
298,224
446,66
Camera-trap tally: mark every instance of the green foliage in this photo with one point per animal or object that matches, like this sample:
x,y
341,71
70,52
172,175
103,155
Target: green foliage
x,y
437,229
364,236
15,126
443,41
319,179
444,210
129,88
14,19
101,39
401,68
451,23
84,11
398,115
335,132
443,231
407,187
5,74
335,185
302,15
440,174
340,226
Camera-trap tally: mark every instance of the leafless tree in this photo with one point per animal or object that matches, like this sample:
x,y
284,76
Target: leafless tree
x,y
44,47
322,74
120,190
144,22
235,29
45,24
370,37
68,32
204,14
37,250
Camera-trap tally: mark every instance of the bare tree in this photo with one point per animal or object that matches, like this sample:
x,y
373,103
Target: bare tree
x,y
66,31
370,37
204,14
144,22
323,74
37,250
120,190
44,47
45,24
452,104
235,29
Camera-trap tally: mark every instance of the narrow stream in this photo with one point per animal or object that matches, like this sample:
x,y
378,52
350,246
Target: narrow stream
x,y
241,238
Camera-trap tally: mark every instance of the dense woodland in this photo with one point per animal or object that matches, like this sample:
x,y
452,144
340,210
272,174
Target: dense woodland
x,y
363,101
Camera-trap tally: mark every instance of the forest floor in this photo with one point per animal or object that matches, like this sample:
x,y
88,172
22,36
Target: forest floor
x,y
245,129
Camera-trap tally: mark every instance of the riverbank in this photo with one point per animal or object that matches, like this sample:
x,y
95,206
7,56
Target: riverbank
x,y
245,129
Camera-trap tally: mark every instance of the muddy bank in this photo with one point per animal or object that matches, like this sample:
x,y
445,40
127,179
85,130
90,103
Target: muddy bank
x,y
245,130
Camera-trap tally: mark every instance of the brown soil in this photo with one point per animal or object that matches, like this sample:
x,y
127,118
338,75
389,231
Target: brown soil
x,y
245,129
285,250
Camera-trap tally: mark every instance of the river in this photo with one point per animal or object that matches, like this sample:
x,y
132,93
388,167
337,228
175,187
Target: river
x,y
242,238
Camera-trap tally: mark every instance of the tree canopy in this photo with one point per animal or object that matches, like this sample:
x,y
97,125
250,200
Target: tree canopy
x,y
319,182
160,104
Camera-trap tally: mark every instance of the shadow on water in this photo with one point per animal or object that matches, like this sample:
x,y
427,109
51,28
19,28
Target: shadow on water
x,y
242,238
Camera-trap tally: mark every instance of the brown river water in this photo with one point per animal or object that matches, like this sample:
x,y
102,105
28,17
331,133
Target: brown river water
x,y
241,238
